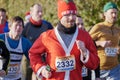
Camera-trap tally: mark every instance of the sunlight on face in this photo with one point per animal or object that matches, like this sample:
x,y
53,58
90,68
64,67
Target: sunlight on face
x,y
36,12
16,28
68,20
2,16
111,15
79,22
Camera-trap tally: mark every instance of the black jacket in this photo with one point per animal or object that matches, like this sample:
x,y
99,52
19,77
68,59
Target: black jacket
x,y
5,55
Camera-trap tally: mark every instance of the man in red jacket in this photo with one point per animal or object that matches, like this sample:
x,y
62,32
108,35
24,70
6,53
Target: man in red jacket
x,y
67,48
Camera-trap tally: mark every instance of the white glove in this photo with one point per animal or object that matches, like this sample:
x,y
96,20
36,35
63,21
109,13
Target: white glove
x,y
46,73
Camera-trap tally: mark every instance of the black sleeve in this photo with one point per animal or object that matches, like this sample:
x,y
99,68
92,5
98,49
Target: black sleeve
x,y
97,72
5,54
25,30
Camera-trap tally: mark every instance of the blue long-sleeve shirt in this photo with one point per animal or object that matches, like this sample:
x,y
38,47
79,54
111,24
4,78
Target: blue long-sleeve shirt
x,y
26,44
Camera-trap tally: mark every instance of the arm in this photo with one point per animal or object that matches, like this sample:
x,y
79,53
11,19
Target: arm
x,y
93,60
26,46
35,54
38,65
103,43
6,55
84,52
89,51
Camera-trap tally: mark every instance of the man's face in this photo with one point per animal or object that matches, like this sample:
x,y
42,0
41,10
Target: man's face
x,y
79,23
111,15
2,16
16,28
68,20
36,12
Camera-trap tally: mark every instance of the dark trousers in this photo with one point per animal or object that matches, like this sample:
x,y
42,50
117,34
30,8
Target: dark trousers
x,y
89,75
19,79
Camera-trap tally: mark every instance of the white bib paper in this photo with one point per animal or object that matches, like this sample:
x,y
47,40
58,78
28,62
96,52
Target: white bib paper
x,y
111,51
13,68
65,63
84,71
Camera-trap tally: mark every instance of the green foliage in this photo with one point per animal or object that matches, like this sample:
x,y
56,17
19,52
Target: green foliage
x,y
90,10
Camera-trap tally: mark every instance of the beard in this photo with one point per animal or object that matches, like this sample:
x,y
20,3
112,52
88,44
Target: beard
x,y
69,30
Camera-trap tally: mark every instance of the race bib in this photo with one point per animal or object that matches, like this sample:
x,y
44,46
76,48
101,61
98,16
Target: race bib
x,y
15,56
84,71
65,63
13,68
111,51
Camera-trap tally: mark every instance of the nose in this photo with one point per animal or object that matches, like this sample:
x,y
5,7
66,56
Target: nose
x,y
114,14
80,26
40,13
19,26
71,16
1,17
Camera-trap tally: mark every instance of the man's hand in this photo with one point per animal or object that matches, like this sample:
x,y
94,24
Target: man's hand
x,y
81,47
103,43
2,73
46,73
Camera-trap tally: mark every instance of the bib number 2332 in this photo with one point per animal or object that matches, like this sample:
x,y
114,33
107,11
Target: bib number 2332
x,y
65,63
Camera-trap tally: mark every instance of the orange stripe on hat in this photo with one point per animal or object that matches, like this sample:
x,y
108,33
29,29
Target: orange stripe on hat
x,y
66,7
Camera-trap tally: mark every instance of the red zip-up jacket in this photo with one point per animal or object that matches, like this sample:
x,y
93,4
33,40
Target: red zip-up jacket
x,y
49,43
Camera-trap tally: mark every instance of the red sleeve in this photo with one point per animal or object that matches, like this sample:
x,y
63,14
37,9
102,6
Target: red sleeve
x,y
93,60
35,53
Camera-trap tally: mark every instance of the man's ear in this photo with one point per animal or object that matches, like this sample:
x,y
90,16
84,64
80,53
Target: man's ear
x,y
104,13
